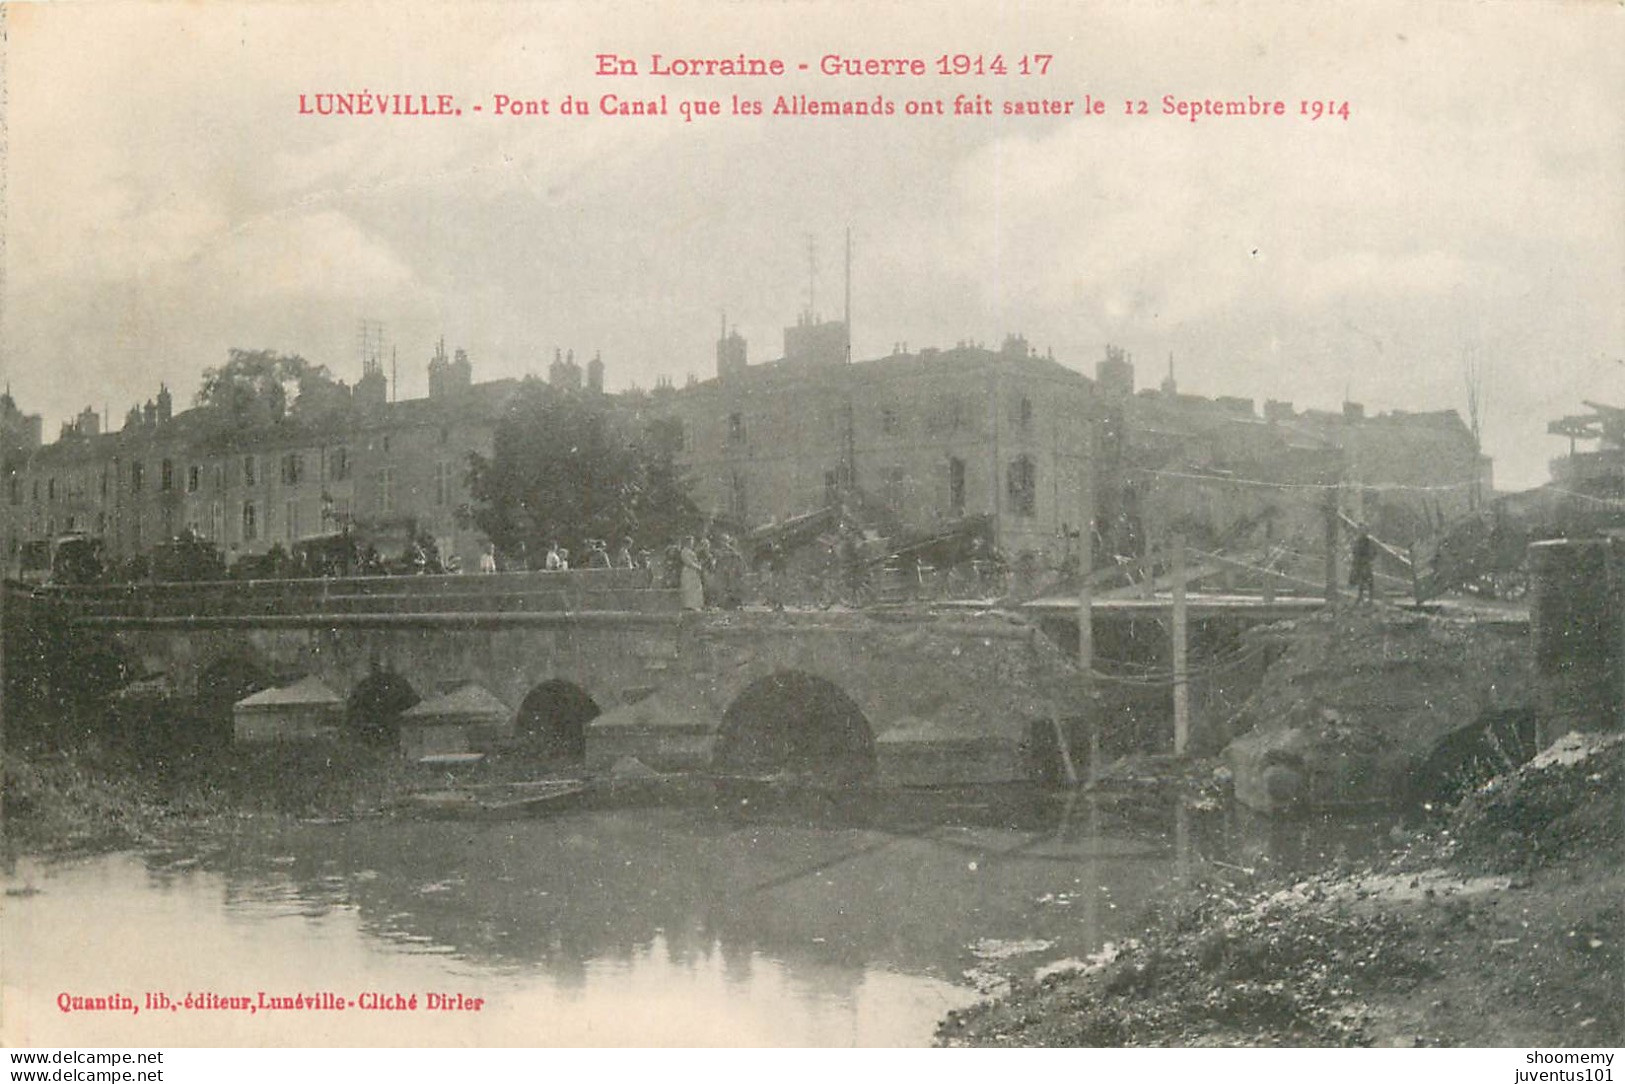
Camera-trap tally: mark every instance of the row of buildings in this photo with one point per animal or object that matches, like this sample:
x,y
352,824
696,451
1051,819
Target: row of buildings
x,y
1062,464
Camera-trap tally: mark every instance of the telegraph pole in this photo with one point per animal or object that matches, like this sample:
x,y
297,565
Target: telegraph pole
x,y
1182,692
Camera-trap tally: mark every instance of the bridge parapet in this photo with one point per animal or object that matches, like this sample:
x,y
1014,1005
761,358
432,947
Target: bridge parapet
x,y
520,592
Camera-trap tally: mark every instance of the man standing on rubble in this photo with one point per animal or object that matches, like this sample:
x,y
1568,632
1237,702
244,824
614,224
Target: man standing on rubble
x,y
1362,576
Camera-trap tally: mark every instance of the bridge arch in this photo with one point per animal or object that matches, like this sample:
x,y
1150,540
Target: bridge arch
x,y
553,719
374,708
796,722
1497,742
221,684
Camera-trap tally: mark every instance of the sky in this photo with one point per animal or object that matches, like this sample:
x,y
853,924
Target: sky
x,y
166,201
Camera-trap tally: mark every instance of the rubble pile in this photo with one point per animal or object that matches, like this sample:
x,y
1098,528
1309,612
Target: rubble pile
x,y
1552,808
1223,970
1505,929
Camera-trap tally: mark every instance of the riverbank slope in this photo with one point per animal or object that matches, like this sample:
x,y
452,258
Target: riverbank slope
x,y
1504,928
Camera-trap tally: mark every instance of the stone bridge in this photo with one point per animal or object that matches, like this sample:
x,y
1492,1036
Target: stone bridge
x,y
602,667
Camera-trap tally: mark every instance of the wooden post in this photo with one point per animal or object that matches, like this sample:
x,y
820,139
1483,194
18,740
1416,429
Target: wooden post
x,y
1086,675
1091,870
1086,630
1331,546
1064,744
1182,703
1094,743
1416,578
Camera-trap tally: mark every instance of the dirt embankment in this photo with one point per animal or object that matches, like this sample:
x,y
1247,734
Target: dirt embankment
x,y
92,798
1504,928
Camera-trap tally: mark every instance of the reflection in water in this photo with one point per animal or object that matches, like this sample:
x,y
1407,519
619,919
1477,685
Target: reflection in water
x,y
755,921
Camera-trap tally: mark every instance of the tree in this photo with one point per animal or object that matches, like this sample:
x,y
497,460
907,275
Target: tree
x,y
253,386
562,470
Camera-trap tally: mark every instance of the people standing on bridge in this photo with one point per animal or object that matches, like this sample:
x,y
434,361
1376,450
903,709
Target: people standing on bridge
x,y
708,569
598,554
555,560
690,583
623,556
488,558
730,574
1362,574
775,575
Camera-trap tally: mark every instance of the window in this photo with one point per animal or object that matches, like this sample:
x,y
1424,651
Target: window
x,y
36,491
738,503
104,482
956,486
1022,485
217,521
137,476
736,429
50,489
293,468
888,421
251,515
251,470
16,488
386,490
442,483
338,464
194,478
1024,413
892,483
290,519
166,476
219,477
832,487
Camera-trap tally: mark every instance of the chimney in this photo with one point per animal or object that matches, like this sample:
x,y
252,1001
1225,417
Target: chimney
x,y
730,354
1115,375
461,375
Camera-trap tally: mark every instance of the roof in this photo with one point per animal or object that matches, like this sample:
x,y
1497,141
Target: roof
x,y
209,430
923,363
463,701
307,691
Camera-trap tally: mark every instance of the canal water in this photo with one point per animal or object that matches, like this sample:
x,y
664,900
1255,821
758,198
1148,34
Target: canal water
x,y
739,923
